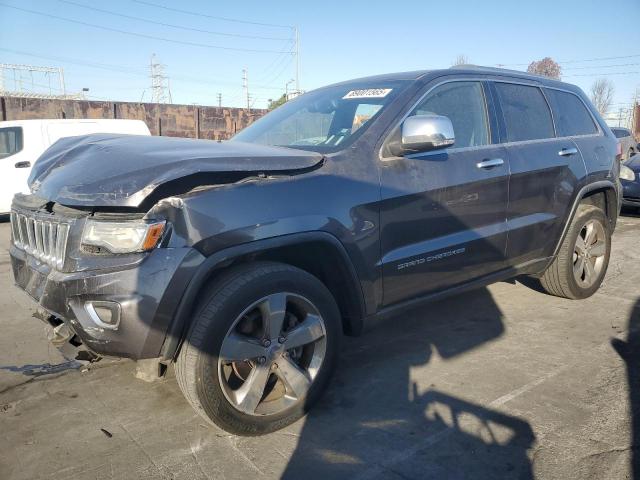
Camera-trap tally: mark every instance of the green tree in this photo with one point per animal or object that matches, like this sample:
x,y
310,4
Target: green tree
x,y
276,103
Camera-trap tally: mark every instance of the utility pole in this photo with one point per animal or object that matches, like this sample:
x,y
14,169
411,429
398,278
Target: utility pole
x,y
286,89
297,54
245,86
620,116
61,77
219,100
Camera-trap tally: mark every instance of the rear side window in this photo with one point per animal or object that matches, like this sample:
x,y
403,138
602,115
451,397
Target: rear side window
x,y
572,117
621,132
463,103
10,141
526,113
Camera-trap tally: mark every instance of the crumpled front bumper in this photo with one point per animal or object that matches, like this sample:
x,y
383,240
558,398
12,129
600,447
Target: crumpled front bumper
x,y
147,293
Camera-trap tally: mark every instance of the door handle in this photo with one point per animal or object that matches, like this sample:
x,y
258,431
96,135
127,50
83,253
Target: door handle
x,y
565,152
494,162
22,165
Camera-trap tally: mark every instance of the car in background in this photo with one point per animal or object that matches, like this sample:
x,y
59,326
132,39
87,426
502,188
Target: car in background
x,y
630,180
628,143
23,141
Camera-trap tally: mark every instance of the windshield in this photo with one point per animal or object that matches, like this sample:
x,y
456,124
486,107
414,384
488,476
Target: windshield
x,y
324,120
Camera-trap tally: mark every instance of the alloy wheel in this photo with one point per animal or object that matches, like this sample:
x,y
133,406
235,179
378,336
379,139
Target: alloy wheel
x,y
589,253
271,354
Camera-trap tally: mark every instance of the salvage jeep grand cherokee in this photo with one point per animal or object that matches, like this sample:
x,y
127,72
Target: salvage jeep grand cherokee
x,y
245,261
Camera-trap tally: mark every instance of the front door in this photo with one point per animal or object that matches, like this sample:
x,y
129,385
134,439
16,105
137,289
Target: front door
x,y
443,213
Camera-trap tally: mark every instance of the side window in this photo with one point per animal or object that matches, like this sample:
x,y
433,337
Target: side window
x,y
526,113
572,117
463,103
620,132
10,141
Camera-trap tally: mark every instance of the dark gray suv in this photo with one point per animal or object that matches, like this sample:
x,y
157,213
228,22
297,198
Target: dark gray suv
x,y
246,261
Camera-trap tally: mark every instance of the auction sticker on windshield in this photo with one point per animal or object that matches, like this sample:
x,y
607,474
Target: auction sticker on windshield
x,y
368,93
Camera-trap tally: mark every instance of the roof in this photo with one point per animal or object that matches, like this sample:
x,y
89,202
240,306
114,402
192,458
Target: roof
x,y
471,69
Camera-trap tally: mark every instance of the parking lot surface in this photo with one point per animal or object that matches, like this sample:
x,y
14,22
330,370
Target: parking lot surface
x,y
501,382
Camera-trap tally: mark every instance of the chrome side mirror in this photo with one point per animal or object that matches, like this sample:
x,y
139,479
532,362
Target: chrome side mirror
x,y
421,133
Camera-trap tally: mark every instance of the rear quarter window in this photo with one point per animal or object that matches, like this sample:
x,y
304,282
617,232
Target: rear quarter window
x,y
525,111
571,115
10,141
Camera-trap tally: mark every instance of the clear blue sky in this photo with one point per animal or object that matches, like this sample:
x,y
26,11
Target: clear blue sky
x,y
338,41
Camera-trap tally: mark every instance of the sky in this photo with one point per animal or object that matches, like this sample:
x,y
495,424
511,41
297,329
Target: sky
x,y
205,45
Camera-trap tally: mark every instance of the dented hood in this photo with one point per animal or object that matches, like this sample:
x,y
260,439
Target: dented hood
x,y
107,170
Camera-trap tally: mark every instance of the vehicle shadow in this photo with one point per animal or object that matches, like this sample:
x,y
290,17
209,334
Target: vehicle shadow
x,y
629,351
377,422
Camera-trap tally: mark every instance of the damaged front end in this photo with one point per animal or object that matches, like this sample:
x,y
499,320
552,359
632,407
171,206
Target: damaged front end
x,y
105,243
117,304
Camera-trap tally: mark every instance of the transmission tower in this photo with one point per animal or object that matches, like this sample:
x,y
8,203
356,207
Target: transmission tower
x,y
245,87
160,89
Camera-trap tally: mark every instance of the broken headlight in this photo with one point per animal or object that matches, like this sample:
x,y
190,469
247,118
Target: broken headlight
x,y
122,237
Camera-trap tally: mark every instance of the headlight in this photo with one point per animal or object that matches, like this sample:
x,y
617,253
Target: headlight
x,y
122,237
627,174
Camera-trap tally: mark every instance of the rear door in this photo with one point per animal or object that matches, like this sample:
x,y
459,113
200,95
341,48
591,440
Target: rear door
x,y
574,121
545,171
443,213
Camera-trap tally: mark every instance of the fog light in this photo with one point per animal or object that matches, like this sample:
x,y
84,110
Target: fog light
x,y
104,314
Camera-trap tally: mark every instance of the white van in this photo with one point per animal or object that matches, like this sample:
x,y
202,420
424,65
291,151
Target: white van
x,y
23,141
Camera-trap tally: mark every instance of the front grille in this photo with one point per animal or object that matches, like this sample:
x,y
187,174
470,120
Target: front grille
x,y
44,239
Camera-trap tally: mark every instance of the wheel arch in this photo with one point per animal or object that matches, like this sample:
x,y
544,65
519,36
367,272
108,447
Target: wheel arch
x,y
318,253
602,194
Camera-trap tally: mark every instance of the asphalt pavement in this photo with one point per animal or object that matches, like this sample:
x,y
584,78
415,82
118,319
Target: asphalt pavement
x,y
501,382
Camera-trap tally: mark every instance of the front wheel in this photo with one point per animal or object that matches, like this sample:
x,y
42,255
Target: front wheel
x,y
578,270
261,349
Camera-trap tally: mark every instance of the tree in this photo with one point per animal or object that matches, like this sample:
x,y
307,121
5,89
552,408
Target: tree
x,y
546,67
602,95
276,103
461,60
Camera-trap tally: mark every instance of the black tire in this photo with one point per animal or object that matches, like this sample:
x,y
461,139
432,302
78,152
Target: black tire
x,y
559,279
197,365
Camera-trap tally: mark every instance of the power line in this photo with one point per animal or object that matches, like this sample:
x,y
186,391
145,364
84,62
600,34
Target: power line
x,y
143,72
601,74
180,27
200,14
602,66
140,35
573,61
294,29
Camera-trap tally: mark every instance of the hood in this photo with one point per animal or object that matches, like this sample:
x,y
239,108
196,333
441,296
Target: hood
x,y
107,170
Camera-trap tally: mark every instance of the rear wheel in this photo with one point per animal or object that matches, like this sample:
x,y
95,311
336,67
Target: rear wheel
x,y
261,350
581,264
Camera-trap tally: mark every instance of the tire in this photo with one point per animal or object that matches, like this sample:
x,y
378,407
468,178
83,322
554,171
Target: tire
x,y
559,278
226,314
